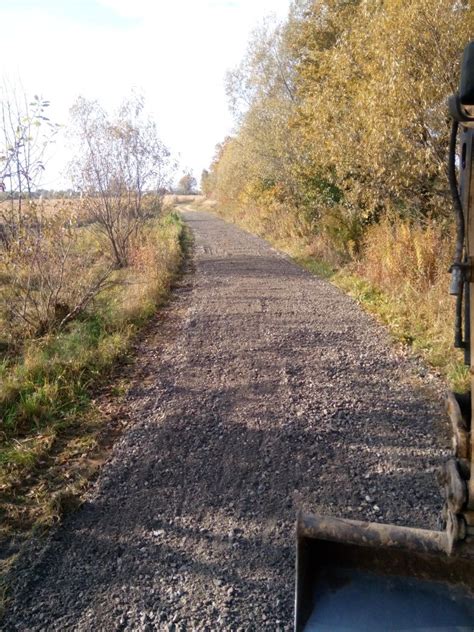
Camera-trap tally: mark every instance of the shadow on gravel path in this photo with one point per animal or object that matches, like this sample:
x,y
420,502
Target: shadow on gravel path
x,y
264,390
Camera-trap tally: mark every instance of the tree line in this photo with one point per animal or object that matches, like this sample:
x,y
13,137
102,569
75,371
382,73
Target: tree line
x,y
341,119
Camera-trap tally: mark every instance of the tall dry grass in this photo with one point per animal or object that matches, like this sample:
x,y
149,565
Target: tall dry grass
x,y
402,276
404,254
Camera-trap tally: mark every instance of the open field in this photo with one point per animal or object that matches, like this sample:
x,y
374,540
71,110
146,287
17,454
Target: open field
x,y
47,206
172,200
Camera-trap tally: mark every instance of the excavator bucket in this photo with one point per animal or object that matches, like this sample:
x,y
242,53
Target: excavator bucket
x,y
356,576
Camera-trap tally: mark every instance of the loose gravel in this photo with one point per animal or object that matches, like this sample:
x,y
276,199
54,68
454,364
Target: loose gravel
x,y
263,390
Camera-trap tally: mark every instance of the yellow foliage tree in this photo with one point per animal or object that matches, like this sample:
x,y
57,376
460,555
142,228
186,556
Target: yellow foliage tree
x,y
342,115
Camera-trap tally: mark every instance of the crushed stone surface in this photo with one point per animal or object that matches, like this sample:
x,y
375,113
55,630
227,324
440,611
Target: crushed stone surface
x,y
263,390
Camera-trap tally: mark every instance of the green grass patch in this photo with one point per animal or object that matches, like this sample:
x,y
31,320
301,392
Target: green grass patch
x,y
315,266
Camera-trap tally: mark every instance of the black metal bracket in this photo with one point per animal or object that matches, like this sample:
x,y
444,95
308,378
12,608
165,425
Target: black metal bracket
x,y
458,111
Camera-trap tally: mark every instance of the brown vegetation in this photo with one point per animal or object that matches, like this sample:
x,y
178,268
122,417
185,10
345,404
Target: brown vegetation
x,y
48,380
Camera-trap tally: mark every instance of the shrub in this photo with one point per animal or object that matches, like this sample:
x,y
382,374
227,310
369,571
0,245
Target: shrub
x,y
50,273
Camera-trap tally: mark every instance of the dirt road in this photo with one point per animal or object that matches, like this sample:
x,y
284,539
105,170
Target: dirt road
x,y
263,390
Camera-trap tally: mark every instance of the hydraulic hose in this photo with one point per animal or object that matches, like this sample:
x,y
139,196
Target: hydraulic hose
x,y
453,185
458,337
458,280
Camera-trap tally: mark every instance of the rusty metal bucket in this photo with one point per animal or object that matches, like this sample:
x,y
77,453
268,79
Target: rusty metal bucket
x,y
356,576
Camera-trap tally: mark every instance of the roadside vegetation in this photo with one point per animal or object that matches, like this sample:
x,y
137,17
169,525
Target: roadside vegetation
x,y
340,154
79,277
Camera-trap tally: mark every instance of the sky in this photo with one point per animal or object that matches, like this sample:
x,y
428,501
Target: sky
x,y
173,52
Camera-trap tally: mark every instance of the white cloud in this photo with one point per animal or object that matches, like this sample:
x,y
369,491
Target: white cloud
x,y
175,53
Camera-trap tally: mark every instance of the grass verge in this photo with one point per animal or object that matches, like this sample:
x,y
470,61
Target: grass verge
x,y
54,434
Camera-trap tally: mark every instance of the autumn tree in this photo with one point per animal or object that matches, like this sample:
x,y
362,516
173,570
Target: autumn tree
x,y
118,160
374,79
204,179
266,150
187,184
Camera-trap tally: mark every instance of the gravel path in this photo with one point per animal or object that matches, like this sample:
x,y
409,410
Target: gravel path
x,y
263,390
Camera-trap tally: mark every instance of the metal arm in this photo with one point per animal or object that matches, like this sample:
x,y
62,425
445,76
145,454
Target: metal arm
x,y
460,470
